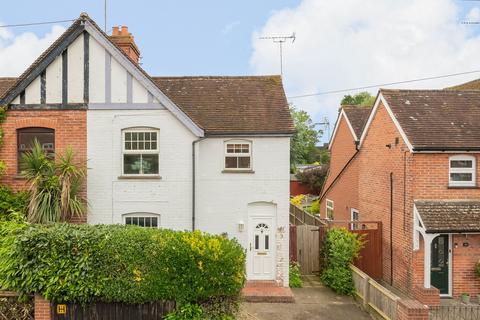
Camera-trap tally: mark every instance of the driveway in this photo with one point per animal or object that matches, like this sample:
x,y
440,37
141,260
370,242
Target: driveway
x,y
313,301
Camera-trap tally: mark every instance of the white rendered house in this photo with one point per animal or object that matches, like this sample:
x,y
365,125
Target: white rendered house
x,y
204,153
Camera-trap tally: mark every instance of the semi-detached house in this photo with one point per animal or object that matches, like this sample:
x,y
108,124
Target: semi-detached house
x,y
206,153
415,169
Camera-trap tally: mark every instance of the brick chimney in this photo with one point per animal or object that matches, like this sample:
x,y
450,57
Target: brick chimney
x,y
124,39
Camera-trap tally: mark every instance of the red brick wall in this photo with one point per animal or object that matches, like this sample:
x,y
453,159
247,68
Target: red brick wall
x,y
376,163
341,150
42,308
70,131
464,259
344,193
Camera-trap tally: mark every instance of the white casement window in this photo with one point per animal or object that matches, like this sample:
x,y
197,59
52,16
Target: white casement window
x,y
462,171
354,216
140,152
148,220
329,209
238,155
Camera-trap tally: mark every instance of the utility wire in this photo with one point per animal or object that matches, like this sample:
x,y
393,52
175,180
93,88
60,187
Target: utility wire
x,y
34,23
382,85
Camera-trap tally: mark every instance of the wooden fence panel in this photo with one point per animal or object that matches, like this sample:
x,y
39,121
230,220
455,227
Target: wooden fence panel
x,y
113,311
308,249
370,260
293,243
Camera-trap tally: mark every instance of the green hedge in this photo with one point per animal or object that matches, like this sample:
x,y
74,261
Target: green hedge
x,y
340,249
79,263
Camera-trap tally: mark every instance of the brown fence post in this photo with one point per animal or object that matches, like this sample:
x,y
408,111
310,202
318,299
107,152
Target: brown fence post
x,y
366,292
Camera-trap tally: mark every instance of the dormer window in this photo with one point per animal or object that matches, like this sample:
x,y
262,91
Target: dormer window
x,y
462,171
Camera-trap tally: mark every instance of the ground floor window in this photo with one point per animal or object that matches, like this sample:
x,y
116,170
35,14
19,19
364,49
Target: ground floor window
x,y
148,220
329,209
354,217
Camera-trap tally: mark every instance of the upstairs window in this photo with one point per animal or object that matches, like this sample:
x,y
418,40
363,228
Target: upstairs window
x,y
462,171
329,209
148,220
140,152
238,155
26,138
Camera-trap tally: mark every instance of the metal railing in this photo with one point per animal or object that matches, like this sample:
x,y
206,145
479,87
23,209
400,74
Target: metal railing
x,y
374,296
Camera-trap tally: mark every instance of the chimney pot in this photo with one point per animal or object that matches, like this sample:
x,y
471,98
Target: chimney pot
x,y
124,40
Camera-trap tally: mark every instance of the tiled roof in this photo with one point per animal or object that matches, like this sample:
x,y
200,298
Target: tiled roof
x,y
449,216
6,84
219,105
437,119
228,105
357,116
471,85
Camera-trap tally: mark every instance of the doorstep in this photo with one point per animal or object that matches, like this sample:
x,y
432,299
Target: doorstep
x,y
266,291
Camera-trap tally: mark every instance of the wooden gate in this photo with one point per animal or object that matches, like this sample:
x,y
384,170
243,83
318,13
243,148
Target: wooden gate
x,y
308,248
112,311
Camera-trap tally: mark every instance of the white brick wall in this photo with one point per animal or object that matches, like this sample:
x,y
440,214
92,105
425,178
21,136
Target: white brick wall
x,y
222,198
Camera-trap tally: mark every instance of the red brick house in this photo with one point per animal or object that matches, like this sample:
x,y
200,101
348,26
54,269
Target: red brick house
x,y
339,196
417,161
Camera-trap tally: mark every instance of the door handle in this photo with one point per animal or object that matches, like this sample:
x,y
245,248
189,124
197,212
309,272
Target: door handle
x,y
435,269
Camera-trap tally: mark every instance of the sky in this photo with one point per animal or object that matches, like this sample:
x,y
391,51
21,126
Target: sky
x,y
339,44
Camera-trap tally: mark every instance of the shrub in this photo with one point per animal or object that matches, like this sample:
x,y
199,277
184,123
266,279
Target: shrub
x,y
315,207
221,308
313,178
295,278
341,247
11,202
186,312
477,269
298,200
79,263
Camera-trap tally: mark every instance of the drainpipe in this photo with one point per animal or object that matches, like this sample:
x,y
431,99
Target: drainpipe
x,y
391,228
193,179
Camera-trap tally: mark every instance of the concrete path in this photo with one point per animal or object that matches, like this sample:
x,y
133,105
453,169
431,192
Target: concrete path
x,y
313,301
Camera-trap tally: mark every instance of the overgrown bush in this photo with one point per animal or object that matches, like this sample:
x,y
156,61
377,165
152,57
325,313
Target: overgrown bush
x,y
341,247
313,178
11,202
79,263
294,276
314,207
477,269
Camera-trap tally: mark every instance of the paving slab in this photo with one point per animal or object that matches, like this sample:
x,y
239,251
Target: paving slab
x,y
313,301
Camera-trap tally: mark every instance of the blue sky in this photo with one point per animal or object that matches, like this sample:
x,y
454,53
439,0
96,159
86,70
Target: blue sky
x,y
340,44
181,37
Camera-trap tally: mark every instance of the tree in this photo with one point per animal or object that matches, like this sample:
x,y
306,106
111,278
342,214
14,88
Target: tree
x,y
54,186
304,140
364,99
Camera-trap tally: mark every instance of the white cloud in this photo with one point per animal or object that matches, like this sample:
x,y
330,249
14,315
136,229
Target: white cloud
x,y
351,43
17,52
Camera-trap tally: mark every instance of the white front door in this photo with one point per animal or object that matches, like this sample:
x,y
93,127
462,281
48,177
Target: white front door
x,y
261,248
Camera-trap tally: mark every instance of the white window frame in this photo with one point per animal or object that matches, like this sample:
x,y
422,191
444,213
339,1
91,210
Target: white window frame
x,y
353,211
329,204
471,170
245,155
155,151
141,215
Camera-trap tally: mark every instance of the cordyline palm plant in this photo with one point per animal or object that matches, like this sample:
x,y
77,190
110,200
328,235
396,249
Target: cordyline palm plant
x,y
54,186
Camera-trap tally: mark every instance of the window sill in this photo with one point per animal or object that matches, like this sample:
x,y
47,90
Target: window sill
x,y
463,187
139,177
238,171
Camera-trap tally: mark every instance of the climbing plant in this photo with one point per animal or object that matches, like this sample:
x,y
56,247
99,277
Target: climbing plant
x,y
3,116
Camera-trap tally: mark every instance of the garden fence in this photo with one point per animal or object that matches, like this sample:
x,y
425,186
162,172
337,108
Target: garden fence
x,y
374,296
455,312
11,308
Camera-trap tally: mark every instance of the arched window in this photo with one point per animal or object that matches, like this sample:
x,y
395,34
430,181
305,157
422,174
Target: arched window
x,y
462,171
142,219
140,151
26,138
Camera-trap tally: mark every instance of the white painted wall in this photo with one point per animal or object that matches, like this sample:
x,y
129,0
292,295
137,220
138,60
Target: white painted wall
x,y
97,72
75,71
223,198
53,82
111,197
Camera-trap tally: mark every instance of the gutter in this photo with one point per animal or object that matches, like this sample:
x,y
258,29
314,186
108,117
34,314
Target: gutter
x,y
194,180
443,149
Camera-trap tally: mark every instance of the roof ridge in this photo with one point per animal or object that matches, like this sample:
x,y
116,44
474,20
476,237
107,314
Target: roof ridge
x,y
216,77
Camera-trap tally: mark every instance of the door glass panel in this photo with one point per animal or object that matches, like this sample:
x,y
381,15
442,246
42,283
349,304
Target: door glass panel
x,y
441,252
257,242
266,242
